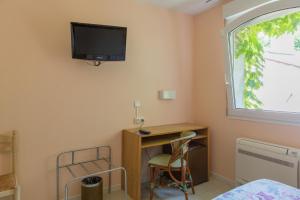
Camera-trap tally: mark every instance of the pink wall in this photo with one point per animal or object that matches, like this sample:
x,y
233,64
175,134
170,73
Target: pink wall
x,y
211,99
57,103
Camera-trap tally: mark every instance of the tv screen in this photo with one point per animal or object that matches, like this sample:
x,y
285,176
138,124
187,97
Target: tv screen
x,y
98,42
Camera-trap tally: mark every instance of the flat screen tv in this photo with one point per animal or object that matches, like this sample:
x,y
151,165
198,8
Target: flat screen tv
x,y
98,42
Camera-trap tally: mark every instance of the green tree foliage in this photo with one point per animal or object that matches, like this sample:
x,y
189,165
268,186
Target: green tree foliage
x,y
250,47
297,43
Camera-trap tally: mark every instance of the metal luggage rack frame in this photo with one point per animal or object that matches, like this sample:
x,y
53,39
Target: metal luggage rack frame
x,y
75,179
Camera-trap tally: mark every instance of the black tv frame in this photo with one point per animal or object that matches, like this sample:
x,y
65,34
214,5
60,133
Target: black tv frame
x,y
93,57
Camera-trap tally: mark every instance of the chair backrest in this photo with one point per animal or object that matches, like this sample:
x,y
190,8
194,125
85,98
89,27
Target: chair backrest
x,y
180,145
7,146
180,148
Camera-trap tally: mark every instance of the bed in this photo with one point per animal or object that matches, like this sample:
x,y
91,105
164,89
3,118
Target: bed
x,y
262,190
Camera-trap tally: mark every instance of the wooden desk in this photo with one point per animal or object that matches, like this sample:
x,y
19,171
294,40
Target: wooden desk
x,y
133,143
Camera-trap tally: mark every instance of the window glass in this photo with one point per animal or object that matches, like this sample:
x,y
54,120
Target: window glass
x,y
265,63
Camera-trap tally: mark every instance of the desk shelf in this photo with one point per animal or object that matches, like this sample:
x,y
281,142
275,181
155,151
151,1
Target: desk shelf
x,y
158,141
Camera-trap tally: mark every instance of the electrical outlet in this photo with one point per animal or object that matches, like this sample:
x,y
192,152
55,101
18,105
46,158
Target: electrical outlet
x,y
137,104
139,120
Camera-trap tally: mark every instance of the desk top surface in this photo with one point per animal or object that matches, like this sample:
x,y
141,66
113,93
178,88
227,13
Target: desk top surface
x,y
167,129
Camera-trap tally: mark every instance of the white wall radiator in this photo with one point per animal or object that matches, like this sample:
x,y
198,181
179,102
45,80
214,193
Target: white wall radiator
x,y
257,160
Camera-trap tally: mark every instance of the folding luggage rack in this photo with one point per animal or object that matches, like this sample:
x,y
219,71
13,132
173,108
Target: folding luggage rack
x,y
72,155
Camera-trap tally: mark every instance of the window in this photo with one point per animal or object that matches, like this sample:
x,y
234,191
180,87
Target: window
x,y
263,68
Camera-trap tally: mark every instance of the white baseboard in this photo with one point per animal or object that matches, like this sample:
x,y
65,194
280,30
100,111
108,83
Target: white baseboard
x,y
223,179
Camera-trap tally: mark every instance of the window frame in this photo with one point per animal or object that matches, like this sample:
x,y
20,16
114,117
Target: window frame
x,y
248,114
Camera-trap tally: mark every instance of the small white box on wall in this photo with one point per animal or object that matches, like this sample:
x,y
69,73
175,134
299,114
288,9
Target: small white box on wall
x,y
167,94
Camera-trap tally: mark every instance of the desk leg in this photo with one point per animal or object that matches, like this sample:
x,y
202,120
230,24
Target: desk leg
x,y
131,160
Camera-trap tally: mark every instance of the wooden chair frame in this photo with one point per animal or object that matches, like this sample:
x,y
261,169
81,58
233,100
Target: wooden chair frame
x,y
8,182
180,151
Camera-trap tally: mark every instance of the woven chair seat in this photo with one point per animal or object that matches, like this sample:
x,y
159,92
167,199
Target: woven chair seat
x,y
163,161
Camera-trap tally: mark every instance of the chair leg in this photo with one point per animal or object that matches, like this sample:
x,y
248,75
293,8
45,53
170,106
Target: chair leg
x,y
191,179
186,196
156,175
152,181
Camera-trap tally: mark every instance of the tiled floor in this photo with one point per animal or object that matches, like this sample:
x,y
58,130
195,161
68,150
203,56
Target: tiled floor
x,y
205,191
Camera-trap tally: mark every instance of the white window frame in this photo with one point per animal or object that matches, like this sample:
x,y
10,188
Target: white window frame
x,y
248,114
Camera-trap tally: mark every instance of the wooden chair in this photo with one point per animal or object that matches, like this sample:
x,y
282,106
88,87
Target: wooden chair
x,y
8,183
178,161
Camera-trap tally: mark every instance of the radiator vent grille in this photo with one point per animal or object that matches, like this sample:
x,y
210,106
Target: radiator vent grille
x,y
267,158
262,160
